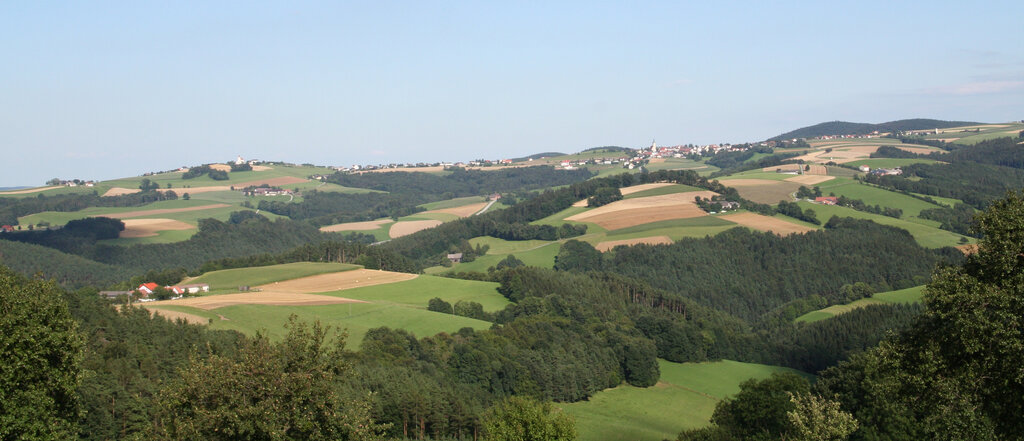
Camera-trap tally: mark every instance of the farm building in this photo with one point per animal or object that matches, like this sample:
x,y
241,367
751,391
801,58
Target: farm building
x,y
455,258
196,288
147,288
827,200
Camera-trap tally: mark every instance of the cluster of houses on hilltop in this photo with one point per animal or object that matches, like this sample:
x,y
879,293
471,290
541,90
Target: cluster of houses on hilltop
x,y
881,171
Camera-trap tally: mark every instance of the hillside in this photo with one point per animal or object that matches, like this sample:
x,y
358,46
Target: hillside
x,y
852,128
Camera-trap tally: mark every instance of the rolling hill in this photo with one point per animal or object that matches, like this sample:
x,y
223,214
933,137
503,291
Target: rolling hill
x,y
852,128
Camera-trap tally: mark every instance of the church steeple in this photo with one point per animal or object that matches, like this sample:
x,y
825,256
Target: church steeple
x,y
654,146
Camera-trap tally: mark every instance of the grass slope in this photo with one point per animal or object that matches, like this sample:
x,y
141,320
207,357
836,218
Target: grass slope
x,y
684,398
231,279
924,232
909,295
417,292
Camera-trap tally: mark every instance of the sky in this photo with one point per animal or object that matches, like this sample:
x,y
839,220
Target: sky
x,y
100,90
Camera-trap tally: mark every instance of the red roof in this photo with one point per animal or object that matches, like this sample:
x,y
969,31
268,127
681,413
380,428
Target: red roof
x,y
150,286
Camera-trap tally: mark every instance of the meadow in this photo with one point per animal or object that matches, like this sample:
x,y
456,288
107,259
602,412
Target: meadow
x,y
231,279
684,398
909,295
925,232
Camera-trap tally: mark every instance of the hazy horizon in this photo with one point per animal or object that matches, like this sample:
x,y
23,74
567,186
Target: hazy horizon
x,y
100,91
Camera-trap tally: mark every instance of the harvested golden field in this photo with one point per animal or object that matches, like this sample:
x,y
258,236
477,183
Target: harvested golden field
x,y
120,191
639,211
140,213
357,226
764,191
766,223
175,315
405,228
338,281
196,190
28,190
261,168
815,169
150,227
653,240
461,211
810,179
254,298
221,167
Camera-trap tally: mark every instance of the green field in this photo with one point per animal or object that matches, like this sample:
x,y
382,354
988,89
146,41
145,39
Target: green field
x,y
909,295
925,232
417,292
891,162
61,218
396,305
356,318
231,279
684,398
872,195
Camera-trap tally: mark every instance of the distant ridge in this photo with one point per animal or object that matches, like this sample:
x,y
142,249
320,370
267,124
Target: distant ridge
x,y
850,128
538,156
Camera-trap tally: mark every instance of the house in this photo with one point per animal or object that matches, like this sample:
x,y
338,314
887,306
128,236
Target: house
x,y
827,200
196,288
6,229
864,168
177,290
114,294
147,288
728,205
455,258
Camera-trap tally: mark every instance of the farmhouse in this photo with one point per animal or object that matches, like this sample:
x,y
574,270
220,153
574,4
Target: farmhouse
x,y
827,200
455,258
196,288
267,191
864,168
6,229
147,288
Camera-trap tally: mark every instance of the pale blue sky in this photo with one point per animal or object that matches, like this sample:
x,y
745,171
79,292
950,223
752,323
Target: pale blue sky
x,y
97,90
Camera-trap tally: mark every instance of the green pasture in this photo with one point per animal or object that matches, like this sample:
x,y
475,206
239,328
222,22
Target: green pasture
x,y
174,178
926,235
872,195
909,295
891,162
61,218
231,279
99,189
676,229
684,398
974,139
758,174
680,164
417,292
356,318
